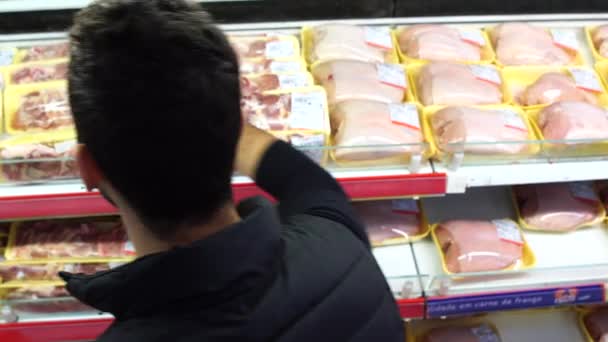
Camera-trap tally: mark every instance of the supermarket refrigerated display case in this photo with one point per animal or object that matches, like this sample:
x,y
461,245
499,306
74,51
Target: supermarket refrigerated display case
x,y
457,186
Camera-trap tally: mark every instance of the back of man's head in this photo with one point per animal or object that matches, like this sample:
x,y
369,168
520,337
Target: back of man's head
x,y
154,90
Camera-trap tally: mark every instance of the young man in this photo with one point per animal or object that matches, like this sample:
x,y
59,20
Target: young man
x,y
154,88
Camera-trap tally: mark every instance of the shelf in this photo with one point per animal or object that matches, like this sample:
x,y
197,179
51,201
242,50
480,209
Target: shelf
x,y
82,329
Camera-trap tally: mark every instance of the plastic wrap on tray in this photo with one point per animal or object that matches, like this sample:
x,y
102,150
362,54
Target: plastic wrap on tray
x,y
478,246
481,131
595,324
263,65
458,84
441,43
48,271
571,120
37,72
525,44
265,46
261,83
369,130
353,80
43,52
348,42
472,333
558,207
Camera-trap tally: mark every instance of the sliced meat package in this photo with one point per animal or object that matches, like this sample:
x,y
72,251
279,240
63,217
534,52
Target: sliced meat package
x,y
554,87
43,108
47,271
600,40
375,130
266,46
352,80
348,42
458,84
38,72
571,120
392,221
480,131
524,44
261,83
476,333
596,324
479,246
437,43
558,207
44,52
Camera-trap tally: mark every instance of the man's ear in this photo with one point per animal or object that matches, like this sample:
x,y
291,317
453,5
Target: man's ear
x,y
89,170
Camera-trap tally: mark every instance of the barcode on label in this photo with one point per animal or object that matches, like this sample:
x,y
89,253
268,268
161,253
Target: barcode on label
x,y
392,75
64,146
405,206
472,36
586,79
508,231
285,66
583,191
293,80
513,120
405,114
486,73
378,37
564,39
307,111
280,49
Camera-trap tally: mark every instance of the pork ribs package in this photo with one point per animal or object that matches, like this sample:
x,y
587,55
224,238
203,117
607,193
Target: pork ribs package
x,y
558,207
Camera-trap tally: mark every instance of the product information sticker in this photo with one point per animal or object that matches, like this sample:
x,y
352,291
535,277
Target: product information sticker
x,y
474,37
405,206
586,79
378,37
307,111
513,120
508,231
280,49
293,80
486,73
392,75
405,115
583,191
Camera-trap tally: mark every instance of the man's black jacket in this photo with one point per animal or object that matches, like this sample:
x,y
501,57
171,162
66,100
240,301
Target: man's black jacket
x,y
300,272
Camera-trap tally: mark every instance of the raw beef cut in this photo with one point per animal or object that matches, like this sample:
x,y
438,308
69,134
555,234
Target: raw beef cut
x,y
386,220
69,239
44,52
553,87
596,323
478,333
556,207
33,167
367,125
524,44
46,109
476,246
573,120
483,130
47,271
344,42
600,39
454,84
352,80
258,84
39,73
437,43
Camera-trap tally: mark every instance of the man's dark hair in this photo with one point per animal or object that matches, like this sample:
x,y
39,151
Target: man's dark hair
x,y
154,90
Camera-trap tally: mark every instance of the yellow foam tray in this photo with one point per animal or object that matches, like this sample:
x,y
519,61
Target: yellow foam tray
x,y
292,40
589,30
10,70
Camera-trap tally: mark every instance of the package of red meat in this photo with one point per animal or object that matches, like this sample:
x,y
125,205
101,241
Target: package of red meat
x,y
43,52
38,157
393,221
268,46
262,83
558,207
602,187
463,331
37,72
37,107
73,241
594,324
468,246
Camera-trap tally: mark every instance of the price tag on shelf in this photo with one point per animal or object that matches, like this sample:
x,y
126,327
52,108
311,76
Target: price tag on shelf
x,y
405,206
293,80
513,120
65,146
379,37
586,79
508,231
280,49
583,191
565,39
474,37
307,111
486,73
285,66
392,75
405,114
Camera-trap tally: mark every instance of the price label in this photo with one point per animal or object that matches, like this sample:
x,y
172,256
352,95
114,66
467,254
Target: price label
x,y
128,248
586,79
307,111
285,66
392,75
69,268
293,80
65,146
379,37
280,49
486,73
508,231
513,120
405,206
565,39
474,37
6,57
485,333
583,191
315,140
405,115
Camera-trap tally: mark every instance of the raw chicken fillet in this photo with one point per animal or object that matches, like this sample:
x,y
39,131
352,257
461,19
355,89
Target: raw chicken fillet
x,y
600,39
553,87
485,131
39,73
384,223
339,42
33,168
553,207
475,246
573,120
46,109
596,323
437,43
45,52
479,333
454,84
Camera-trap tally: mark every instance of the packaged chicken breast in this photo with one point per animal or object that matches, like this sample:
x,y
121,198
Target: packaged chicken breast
x,y
481,132
594,323
42,52
374,133
469,329
268,46
331,42
262,83
390,222
597,40
456,84
526,44
36,72
468,246
602,72
558,207
28,273
441,43
38,157
536,87
265,65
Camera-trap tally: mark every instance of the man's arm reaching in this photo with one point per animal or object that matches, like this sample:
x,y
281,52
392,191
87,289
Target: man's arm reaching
x,y
300,185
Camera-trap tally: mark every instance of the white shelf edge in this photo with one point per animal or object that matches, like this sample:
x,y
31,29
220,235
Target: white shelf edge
x,y
8,6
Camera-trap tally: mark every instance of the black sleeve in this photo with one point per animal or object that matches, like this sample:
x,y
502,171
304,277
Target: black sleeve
x,y
303,187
